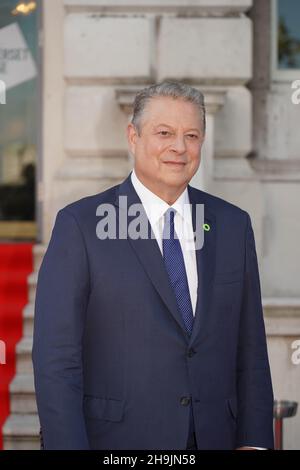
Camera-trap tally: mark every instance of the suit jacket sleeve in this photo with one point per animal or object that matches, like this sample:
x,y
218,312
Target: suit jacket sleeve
x,y
255,395
61,301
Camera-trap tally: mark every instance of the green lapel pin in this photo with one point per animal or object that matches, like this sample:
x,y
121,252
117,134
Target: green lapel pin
x,y
206,227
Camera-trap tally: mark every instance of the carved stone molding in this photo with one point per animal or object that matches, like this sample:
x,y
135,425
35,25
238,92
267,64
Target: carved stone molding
x,y
214,97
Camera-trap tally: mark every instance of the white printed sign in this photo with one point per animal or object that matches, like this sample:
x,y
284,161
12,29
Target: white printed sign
x,y
16,62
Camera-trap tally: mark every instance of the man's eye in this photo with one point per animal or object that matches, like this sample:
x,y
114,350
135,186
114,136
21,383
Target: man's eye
x,y
192,136
164,133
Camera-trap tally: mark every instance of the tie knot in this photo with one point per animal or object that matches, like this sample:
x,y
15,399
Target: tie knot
x,y
169,228
169,216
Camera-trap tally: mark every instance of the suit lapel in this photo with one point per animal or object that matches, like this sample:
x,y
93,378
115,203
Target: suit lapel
x,y
205,266
149,254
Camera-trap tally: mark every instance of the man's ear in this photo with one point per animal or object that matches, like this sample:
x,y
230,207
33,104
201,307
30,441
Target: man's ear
x,y
131,137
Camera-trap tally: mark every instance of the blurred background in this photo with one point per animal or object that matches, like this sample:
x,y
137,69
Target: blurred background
x,y
69,70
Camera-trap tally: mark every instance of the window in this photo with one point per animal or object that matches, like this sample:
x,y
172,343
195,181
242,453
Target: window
x,y
18,118
286,39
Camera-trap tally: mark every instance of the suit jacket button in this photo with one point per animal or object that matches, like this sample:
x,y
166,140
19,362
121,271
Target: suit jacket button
x,y
185,401
191,352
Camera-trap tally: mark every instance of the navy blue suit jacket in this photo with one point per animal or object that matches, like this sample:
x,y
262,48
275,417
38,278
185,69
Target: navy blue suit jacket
x,y
114,366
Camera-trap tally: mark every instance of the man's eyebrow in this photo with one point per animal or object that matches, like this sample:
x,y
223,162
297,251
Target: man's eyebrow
x,y
170,127
194,130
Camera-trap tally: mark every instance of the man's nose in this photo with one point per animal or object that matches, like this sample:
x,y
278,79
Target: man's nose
x,y
178,145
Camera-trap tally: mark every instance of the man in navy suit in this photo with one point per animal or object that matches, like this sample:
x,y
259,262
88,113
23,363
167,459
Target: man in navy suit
x,y
153,342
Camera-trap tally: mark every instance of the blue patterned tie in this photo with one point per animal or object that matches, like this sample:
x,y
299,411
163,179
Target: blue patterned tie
x,y
174,262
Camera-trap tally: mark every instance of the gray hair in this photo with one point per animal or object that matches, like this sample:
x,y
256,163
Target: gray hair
x,y
175,90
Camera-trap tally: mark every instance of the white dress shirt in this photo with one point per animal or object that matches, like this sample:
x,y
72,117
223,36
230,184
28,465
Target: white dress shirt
x,y
155,208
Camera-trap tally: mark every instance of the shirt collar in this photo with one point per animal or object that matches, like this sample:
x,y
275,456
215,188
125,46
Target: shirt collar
x,y
155,206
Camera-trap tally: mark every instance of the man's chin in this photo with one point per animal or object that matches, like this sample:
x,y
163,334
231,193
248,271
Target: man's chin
x,y
176,181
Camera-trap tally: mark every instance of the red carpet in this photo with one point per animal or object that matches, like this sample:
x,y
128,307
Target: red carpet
x,y
15,265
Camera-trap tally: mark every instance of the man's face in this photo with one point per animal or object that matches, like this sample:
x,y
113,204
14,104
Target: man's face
x,y
167,149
